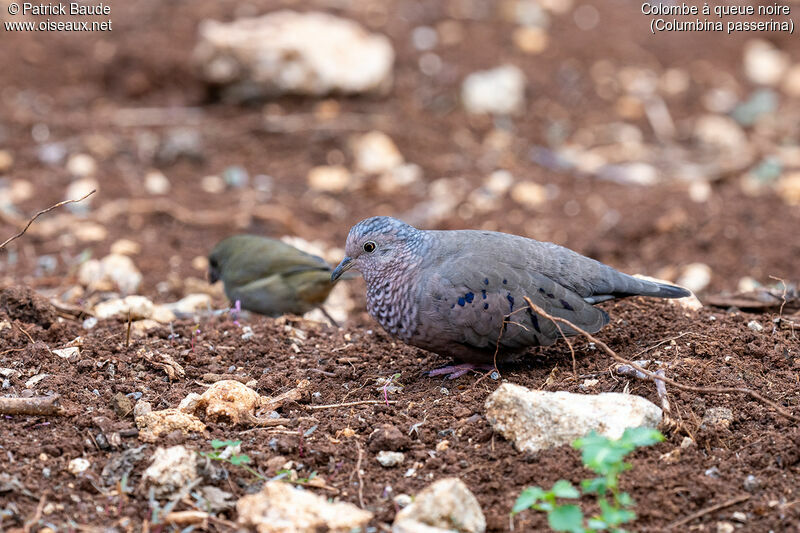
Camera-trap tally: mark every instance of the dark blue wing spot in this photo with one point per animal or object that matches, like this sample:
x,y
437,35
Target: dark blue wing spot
x,y
485,281
469,297
484,294
461,301
550,295
452,306
541,290
566,305
510,301
486,306
505,281
534,320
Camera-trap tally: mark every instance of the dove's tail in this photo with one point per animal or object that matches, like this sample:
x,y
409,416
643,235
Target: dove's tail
x,y
625,285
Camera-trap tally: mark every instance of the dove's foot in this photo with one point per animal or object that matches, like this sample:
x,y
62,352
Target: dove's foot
x,y
456,371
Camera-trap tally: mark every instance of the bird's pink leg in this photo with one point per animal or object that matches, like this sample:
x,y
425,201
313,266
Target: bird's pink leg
x,y
456,371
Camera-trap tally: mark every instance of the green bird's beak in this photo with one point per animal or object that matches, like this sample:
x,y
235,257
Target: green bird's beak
x,y
343,267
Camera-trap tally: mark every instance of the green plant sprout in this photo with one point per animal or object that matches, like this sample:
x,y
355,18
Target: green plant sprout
x,y
227,451
605,457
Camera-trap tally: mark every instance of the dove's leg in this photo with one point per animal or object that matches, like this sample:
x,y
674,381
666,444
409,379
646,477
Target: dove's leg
x,y
456,371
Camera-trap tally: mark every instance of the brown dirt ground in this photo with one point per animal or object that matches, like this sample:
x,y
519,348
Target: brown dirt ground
x,y
76,83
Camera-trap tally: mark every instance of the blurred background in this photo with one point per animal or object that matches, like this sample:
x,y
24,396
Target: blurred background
x,y
675,155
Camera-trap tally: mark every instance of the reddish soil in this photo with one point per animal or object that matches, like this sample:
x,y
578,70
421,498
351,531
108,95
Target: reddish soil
x,y
78,84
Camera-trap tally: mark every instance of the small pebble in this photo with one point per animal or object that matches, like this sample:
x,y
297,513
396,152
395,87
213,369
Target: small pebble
x,y
751,483
78,465
712,472
247,333
89,323
389,459
444,391
755,325
739,516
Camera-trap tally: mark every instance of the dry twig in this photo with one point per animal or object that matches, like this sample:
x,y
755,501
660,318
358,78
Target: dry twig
x,y
654,376
349,404
40,213
703,512
35,406
360,477
30,524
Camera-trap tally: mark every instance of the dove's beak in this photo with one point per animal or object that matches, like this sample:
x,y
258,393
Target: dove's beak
x,y
343,267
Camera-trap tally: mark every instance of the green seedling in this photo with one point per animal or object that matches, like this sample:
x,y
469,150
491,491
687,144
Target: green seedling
x,y
605,457
228,451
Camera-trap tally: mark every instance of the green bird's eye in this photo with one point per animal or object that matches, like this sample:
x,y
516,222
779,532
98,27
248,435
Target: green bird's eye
x,y
369,246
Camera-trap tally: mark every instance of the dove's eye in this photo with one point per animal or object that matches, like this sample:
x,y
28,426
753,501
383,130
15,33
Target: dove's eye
x,y
369,246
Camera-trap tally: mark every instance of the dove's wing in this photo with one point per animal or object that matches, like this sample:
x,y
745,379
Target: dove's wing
x,y
471,291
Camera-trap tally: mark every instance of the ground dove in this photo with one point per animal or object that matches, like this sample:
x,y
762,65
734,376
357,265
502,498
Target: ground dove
x,y
450,292
268,276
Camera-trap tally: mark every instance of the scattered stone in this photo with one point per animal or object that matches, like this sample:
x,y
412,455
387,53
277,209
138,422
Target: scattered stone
x,y
762,102
530,40
755,325
155,424
630,174
161,314
141,328
388,438
180,143
720,132
763,63
791,82
235,177
399,177
121,405
687,442
751,483
125,247
279,507
78,465
228,401
81,166
68,353
191,304
121,465
171,470
529,194
286,52
6,161
788,187
78,189
89,232
118,270
329,178
717,418
537,420
135,306
156,183
212,184
739,516
499,91
375,152
695,277
444,506
390,459
725,527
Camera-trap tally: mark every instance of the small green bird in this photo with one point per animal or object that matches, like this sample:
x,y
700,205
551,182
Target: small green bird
x,y
270,277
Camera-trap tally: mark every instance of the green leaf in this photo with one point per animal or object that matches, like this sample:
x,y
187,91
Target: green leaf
x,y
527,498
566,518
596,524
624,499
614,516
594,486
564,489
239,459
217,444
642,436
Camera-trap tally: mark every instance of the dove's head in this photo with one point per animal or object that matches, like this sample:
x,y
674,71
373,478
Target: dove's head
x,y
379,245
